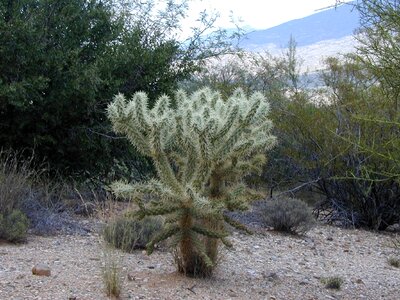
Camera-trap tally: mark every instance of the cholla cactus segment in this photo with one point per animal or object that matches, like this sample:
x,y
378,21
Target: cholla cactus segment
x,y
201,146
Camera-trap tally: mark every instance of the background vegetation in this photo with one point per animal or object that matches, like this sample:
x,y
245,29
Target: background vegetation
x,y
61,63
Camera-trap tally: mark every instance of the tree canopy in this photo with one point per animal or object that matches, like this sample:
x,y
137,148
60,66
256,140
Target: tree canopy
x,y
61,62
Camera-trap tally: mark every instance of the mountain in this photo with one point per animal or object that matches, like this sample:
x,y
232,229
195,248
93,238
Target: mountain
x,y
329,24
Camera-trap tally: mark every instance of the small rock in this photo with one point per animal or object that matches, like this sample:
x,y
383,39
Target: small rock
x,y
41,270
232,293
272,276
94,258
329,238
359,281
131,277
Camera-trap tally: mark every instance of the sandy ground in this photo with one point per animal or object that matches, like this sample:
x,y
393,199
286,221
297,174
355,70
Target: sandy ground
x,y
267,265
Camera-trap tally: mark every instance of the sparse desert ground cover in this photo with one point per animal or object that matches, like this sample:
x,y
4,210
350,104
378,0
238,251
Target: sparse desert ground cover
x,y
266,265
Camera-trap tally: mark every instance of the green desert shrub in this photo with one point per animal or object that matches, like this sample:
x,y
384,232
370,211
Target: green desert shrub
x,y
129,234
202,147
334,282
287,215
14,226
394,261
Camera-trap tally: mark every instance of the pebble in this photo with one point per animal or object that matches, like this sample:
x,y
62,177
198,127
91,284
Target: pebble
x,y
41,270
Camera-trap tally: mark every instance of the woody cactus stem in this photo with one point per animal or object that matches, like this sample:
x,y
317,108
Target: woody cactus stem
x,y
202,147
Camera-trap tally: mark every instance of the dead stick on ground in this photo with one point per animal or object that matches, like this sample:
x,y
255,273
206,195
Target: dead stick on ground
x,y
191,289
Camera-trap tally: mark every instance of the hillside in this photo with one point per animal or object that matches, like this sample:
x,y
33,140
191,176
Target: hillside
x,y
329,24
323,34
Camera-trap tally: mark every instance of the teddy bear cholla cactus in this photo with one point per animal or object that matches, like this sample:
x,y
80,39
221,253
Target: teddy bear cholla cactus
x,y
201,146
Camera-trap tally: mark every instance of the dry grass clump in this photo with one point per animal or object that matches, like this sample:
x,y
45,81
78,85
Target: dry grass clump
x,y
287,215
16,177
334,282
129,234
111,273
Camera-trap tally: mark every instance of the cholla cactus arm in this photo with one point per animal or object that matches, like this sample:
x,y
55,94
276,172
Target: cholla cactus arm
x,y
140,101
152,187
237,225
159,210
192,161
190,154
163,166
256,101
122,116
226,242
204,170
208,232
251,165
201,249
201,207
228,123
167,232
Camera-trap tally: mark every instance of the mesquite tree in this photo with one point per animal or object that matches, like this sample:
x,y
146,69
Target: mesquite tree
x,y
202,146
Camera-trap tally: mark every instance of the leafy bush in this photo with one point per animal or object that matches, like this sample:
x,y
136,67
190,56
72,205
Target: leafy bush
x,y
80,53
14,226
130,234
288,215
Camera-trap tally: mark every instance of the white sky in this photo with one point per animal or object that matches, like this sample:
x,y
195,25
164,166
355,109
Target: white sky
x,y
258,14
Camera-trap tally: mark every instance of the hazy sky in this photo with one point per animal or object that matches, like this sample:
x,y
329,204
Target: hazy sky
x,y
258,14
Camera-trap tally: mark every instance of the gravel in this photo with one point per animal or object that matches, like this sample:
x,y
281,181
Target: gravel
x,y
267,265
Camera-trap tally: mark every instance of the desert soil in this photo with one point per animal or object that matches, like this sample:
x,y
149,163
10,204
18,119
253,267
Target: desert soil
x,y
267,265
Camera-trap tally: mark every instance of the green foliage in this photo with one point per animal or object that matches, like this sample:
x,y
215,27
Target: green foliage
x,y
62,62
379,44
360,184
334,144
201,146
13,226
130,234
288,215
394,262
49,78
332,282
